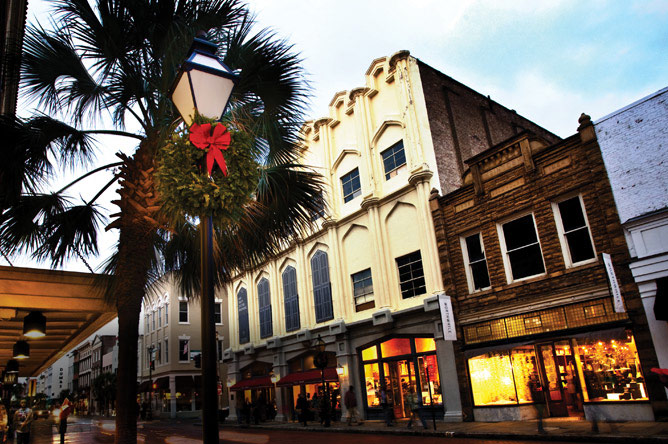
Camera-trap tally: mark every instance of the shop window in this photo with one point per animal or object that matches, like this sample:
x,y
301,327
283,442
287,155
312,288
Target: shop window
x,y
576,241
521,249
291,299
395,347
322,288
264,303
244,328
351,185
492,379
425,345
369,354
183,312
474,256
411,275
525,371
372,384
393,158
363,290
430,380
184,350
611,369
217,313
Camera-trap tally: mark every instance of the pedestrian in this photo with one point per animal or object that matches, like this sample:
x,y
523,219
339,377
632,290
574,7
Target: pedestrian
x,y
22,419
4,421
61,412
350,401
302,409
414,407
387,409
247,411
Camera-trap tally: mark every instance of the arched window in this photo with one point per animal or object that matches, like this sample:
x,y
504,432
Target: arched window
x,y
264,302
291,299
244,329
322,288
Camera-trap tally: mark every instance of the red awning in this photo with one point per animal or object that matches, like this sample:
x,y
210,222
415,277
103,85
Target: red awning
x,y
309,377
254,383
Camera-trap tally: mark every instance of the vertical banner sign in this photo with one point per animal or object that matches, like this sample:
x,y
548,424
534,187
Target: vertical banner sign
x,y
447,317
614,285
32,387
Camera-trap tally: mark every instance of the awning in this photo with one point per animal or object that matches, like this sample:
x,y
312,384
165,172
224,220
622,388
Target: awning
x,y
162,383
184,383
309,377
144,387
253,383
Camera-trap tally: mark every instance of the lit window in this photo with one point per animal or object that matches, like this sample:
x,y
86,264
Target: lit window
x,y
411,275
522,254
395,347
492,379
363,290
351,185
576,242
393,158
474,256
217,314
264,303
183,312
291,299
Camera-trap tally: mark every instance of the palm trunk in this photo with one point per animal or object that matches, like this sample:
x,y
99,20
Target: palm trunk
x,y
134,260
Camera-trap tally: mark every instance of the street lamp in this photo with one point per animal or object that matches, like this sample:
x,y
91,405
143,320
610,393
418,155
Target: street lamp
x,y
203,86
320,361
21,350
34,325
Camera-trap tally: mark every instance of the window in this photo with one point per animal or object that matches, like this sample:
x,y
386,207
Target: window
x,y
153,320
158,353
264,302
166,314
522,255
393,158
217,313
318,209
411,275
363,290
322,288
159,317
166,351
351,185
147,324
291,299
576,242
219,349
244,328
184,350
474,256
183,312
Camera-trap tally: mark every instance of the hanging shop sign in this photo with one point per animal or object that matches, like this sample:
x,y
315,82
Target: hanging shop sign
x,y
447,317
614,285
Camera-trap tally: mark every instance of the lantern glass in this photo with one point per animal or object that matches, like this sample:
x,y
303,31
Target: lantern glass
x,y
34,325
21,350
274,378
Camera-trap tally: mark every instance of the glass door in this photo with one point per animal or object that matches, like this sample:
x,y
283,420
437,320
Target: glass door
x,y
550,370
400,377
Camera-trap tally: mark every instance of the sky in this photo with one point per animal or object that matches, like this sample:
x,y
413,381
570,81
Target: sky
x,y
550,60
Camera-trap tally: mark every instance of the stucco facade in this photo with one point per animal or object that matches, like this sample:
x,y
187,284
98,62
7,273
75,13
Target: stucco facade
x,y
370,274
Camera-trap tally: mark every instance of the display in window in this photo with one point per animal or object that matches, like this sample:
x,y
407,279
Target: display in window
x,y
492,379
611,369
372,384
430,380
525,371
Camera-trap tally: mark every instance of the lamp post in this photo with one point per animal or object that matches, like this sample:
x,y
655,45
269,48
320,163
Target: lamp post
x,y
320,361
204,86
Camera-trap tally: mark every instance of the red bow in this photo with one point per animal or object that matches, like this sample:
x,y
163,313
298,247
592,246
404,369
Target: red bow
x,y
202,138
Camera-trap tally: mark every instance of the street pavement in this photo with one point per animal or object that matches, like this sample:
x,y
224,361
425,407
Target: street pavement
x,y
92,430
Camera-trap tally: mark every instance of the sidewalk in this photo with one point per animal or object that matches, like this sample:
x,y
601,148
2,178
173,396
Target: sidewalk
x,y
556,429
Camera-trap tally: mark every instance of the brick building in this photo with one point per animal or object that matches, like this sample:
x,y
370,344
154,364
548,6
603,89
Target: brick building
x,y
521,247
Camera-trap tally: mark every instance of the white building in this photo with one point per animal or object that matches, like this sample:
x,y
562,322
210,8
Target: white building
x,y
634,142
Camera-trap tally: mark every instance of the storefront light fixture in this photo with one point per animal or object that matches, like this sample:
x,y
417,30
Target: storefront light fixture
x,y
21,350
274,378
229,383
12,366
34,325
340,370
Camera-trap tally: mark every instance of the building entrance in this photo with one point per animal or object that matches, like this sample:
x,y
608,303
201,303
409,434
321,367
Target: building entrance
x,y
400,376
558,372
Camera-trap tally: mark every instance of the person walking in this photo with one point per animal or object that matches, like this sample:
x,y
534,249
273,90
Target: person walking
x,y
23,418
350,401
414,406
302,409
387,408
62,412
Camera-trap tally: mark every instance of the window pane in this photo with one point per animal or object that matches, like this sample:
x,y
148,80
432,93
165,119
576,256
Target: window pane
x,y
571,214
492,379
369,354
372,384
525,371
474,249
526,262
322,291
425,345
429,380
579,244
184,350
411,275
351,185
519,232
395,347
393,158
217,316
291,298
611,369
480,275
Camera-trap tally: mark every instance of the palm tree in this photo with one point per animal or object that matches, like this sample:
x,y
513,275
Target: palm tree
x,y
119,58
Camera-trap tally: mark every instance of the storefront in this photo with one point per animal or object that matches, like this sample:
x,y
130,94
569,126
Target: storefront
x,y
400,366
593,374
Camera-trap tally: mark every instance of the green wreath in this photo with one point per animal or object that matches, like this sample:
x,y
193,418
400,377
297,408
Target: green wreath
x,y
185,190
